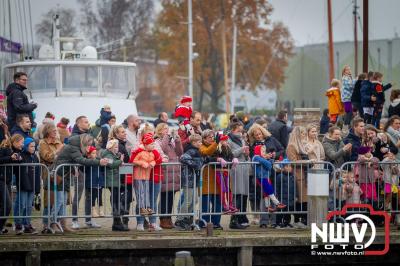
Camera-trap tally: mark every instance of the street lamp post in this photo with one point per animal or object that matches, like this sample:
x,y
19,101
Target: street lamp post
x,y
190,40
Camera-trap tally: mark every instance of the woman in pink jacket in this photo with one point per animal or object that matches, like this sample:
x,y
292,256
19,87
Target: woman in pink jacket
x,y
170,148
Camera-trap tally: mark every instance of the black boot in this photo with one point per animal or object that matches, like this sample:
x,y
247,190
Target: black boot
x,y
234,224
117,225
125,221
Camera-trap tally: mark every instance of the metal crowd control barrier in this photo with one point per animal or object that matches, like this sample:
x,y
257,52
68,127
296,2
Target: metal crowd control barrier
x,y
113,193
219,190
375,183
23,194
230,189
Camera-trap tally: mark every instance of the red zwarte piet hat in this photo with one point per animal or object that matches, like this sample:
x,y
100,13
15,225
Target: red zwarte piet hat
x,y
186,99
91,149
147,139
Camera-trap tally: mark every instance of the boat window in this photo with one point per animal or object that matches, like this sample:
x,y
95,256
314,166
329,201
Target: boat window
x,y
117,78
80,78
40,78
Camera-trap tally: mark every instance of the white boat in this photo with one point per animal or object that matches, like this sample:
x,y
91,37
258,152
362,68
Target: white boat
x,y
69,83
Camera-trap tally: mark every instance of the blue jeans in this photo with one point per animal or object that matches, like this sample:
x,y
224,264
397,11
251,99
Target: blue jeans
x,y
215,201
23,207
59,205
154,192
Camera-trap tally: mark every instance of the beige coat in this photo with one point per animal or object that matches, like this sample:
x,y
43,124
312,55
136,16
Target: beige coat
x,y
299,174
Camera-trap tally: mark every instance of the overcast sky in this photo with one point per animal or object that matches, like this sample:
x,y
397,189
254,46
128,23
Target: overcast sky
x,y
306,19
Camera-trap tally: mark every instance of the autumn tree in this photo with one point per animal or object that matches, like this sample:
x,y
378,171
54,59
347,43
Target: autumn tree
x,y
263,46
44,29
110,21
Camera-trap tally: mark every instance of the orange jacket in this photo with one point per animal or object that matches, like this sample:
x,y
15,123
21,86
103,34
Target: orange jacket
x,y
209,182
335,105
142,160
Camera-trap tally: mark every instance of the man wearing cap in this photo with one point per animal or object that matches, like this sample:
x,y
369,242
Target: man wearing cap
x,y
17,101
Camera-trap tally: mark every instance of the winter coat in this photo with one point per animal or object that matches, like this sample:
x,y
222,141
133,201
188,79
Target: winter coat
x,y
192,161
18,130
112,169
105,130
334,151
94,177
390,171
366,171
285,188
239,174
324,124
209,182
335,105
366,93
47,156
271,144
72,154
316,152
6,172
299,174
262,170
347,88
18,103
172,149
379,92
356,141
356,96
140,158
29,176
76,131
104,116
183,111
394,108
279,131
394,136
184,135
63,132
379,145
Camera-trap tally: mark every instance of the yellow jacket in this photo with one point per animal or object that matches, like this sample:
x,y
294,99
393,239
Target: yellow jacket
x,y
335,105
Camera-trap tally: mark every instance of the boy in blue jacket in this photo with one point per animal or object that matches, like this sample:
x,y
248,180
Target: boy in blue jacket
x,y
285,186
262,172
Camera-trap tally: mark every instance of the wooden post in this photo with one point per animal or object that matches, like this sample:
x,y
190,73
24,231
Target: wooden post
x,y
225,59
32,258
331,59
245,256
365,36
355,38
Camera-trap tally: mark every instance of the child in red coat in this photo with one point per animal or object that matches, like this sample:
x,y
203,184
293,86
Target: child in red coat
x,y
145,160
183,111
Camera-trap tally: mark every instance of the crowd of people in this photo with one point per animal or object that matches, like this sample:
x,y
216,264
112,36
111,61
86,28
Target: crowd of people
x,y
229,180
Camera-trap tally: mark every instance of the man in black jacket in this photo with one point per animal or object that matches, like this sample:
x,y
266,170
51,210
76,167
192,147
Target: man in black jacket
x,y
23,126
355,137
17,101
279,129
162,118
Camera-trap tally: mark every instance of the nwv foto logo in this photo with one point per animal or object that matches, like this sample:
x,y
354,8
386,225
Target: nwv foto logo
x,y
332,234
